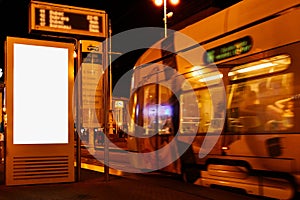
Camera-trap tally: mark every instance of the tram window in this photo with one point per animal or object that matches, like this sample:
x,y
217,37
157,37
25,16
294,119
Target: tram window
x,y
190,120
209,96
201,78
261,105
157,109
261,67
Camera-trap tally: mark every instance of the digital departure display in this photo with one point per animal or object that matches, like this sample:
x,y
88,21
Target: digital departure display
x,y
67,19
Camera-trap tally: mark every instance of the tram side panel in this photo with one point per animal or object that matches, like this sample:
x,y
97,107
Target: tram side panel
x,y
264,139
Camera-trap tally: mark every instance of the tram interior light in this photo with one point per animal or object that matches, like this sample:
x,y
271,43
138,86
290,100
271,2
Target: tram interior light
x,y
196,71
160,110
214,77
253,68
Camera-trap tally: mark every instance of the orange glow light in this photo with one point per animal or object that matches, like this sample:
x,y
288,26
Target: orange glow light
x,y
174,2
158,2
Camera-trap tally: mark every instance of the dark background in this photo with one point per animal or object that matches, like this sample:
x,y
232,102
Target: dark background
x,y
124,15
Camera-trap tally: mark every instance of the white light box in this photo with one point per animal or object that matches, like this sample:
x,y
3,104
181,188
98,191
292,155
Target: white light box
x,y
40,94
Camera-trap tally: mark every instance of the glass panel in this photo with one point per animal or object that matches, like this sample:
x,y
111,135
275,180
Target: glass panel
x,y
165,111
263,104
157,113
261,67
132,113
150,110
189,118
200,77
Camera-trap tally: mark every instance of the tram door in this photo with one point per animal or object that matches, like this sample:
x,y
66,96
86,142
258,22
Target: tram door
x,y
39,136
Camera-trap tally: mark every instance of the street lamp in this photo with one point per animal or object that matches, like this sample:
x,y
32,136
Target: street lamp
x,y
166,15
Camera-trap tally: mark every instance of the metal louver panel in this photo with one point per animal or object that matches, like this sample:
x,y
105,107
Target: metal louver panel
x,y
40,167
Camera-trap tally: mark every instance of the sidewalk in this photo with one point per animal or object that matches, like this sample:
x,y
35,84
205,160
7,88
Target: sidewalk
x,y
93,186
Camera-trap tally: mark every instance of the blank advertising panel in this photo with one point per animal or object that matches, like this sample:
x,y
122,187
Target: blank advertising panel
x,y
43,106
39,81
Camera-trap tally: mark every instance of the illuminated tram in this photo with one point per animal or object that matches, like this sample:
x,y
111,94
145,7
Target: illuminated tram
x,y
256,48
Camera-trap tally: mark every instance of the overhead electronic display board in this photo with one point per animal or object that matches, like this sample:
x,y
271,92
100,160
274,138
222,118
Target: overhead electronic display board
x,y
67,19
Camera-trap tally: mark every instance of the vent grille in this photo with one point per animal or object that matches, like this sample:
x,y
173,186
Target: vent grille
x,y
40,167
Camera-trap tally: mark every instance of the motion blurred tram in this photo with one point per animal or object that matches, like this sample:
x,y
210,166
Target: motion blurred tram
x,y
239,100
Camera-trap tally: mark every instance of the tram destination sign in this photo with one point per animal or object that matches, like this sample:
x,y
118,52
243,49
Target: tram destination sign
x,y
50,17
228,50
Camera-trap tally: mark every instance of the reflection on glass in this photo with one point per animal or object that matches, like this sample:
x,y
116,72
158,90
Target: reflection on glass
x,y
264,104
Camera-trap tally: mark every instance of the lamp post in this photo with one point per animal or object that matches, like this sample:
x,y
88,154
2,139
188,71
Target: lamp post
x,y
108,103
166,15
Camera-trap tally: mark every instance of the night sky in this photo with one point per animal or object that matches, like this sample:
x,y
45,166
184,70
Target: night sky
x,y
124,15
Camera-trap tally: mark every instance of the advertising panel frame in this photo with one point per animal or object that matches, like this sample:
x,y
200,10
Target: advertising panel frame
x,y
39,162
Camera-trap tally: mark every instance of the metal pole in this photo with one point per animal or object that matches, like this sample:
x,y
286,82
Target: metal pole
x,y
78,106
110,80
108,108
110,69
165,17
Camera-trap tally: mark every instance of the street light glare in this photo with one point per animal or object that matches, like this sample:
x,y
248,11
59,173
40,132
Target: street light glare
x,y
174,2
158,2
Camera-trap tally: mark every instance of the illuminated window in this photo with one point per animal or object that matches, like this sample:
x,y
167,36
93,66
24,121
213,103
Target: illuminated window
x,y
261,67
